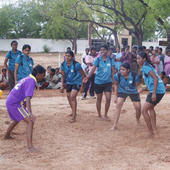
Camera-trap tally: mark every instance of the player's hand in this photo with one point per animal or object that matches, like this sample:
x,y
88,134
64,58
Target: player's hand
x,y
85,80
140,90
153,97
115,99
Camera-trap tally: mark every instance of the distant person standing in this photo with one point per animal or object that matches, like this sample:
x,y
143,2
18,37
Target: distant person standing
x,y
118,59
84,65
24,64
89,59
9,63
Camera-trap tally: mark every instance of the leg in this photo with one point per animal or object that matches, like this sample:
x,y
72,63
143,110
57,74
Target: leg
x,y
92,85
69,101
11,79
153,118
119,105
73,98
137,106
107,104
147,106
86,89
29,131
98,104
9,130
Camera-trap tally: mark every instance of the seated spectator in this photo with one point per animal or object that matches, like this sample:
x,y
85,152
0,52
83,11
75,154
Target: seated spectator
x,y
48,70
54,79
3,79
165,78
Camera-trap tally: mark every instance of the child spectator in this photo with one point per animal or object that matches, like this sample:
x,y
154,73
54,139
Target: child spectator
x,y
4,80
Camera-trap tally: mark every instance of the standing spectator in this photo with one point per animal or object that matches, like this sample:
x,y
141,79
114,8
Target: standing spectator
x,y
90,83
84,65
134,65
118,58
10,59
24,64
3,79
127,56
161,58
155,60
167,62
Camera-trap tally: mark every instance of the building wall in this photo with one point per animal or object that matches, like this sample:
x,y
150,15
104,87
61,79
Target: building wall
x,y
38,44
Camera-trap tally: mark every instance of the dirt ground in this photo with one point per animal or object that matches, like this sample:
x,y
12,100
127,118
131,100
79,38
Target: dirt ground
x,y
88,144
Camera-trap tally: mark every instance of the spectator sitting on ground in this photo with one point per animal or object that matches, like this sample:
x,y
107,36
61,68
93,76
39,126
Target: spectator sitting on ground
x,y
48,70
53,79
3,79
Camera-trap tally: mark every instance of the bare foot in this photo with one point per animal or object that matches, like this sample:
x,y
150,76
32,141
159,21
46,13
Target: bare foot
x,y
100,117
32,149
150,135
72,120
123,111
114,128
8,137
70,115
106,118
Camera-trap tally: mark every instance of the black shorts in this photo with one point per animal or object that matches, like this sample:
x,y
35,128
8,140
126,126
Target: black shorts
x,y
70,87
100,88
158,98
133,97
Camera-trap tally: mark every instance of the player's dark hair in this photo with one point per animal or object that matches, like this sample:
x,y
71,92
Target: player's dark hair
x,y
38,70
126,66
70,53
26,46
13,42
105,47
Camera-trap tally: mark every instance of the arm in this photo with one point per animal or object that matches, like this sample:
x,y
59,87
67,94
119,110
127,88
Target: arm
x,y
92,71
16,72
115,91
153,75
62,80
82,73
5,63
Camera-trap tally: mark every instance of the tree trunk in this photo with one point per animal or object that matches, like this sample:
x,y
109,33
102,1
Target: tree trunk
x,y
74,45
168,38
139,38
117,44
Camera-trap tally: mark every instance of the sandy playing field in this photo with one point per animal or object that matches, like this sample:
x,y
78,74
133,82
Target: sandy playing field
x,y
88,144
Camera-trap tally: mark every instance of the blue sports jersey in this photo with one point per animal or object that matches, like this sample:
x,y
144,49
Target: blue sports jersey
x,y
127,86
25,66
104,70
149,81
72,73
11,56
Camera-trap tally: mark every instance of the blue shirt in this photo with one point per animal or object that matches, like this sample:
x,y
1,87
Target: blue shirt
x,y
104,70
11,56
118,63
25,66
72,73
127,86
149,81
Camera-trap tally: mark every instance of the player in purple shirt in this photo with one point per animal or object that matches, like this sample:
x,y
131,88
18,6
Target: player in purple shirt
x,y
22,93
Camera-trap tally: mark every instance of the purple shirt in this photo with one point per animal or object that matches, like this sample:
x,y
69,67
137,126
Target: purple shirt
x,y
24,88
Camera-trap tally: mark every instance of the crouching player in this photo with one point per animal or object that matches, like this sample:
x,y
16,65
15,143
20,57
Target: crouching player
x,y
125,85
23,91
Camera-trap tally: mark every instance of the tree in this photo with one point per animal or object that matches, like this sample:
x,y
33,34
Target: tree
x,y
59,27
129,14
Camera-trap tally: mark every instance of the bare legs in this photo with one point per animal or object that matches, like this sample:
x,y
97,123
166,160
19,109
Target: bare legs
x,y
150,119
72,99
107,104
